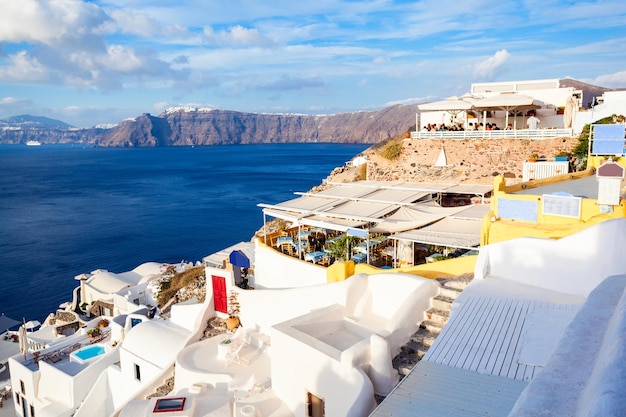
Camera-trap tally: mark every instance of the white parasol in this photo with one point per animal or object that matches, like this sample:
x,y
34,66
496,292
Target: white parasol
x,y
23,340
30,325
453,105
568,113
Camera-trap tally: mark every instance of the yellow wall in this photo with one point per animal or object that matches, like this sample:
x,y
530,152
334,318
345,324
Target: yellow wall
x,y
496,229
445,268
595,161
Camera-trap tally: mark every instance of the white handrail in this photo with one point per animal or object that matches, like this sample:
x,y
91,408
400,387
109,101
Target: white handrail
x,y
495,134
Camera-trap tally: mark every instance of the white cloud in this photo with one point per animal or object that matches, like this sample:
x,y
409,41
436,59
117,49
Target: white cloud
x,y
12,101
615,80
236,36
281,54
130,21
48,22
490,67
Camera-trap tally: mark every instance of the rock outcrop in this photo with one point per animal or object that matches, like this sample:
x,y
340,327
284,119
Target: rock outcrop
x,y
191,127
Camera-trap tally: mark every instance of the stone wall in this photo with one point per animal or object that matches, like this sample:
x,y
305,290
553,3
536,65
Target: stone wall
x,y
474,161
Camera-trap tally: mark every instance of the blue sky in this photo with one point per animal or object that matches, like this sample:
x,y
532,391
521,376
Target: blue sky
x,y
100,61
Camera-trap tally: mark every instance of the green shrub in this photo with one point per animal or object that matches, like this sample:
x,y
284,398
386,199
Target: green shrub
x,y
169,287
391,150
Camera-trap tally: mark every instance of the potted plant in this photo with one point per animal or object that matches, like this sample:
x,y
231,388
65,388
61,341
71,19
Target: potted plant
x,y
232,322
533,157
562,156
93,332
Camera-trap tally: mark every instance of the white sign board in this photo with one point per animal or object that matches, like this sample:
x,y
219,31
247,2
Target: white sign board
x,y
564,206
609,191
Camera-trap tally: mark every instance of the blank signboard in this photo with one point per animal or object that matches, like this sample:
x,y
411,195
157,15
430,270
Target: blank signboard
x,y
608,139
517,209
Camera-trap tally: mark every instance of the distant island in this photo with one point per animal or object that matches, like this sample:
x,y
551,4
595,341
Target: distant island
x,y
198,127
194,126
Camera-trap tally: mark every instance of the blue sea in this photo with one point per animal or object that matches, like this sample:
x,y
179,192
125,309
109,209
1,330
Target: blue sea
x,y
66,210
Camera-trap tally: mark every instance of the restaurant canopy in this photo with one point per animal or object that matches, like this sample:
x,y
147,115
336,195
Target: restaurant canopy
x,y
507,102
461,230
379,207
407,218
453,105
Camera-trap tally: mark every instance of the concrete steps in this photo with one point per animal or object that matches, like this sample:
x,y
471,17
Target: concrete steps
x,y
429,329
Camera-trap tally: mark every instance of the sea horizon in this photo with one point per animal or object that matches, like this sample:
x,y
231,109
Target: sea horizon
x,y
71,209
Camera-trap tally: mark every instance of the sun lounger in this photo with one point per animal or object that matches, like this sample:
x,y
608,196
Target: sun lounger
x,y
53,357
239,340
69,349
244,390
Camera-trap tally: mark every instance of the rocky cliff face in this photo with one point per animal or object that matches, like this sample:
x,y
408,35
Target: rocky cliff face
x,y
223,127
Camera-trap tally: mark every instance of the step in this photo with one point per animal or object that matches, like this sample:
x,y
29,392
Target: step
x,y
442,302
405,369
421,353
456,284
449,292
432,326
423,338
438,316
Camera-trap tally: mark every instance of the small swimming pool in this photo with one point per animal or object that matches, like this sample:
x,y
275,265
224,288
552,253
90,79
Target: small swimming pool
x,y
85,354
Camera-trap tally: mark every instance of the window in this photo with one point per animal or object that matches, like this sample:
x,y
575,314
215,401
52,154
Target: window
x,y
164,405
22,387
32,411
314,405
17,398
134,322
137,373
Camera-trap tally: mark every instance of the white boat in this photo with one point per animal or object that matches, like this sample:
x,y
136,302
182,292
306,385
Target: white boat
x,y
33,143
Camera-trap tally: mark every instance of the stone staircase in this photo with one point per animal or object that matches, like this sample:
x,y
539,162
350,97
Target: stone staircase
x,y
437,317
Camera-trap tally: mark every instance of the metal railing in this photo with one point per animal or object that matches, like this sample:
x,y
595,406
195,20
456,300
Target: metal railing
x,y
537,134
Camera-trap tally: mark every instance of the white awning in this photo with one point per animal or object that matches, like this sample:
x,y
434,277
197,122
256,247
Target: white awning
x,y
507,102
451,105
451,232
325,222
407,218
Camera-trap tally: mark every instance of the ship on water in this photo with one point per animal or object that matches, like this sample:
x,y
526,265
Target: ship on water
x,y
33,143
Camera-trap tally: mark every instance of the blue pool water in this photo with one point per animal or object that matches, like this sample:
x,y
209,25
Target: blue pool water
x,y
89,352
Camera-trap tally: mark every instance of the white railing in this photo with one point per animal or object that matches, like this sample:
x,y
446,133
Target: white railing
x,y
538,134
540,170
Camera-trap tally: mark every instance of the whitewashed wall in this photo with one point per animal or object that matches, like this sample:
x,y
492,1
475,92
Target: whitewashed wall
x,y
303,368
573,265
273,269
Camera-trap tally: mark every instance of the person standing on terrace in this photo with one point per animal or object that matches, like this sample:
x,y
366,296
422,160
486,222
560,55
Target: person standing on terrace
x,y
532,122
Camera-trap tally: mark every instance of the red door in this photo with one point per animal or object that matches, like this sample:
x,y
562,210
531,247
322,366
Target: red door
x,y
219,293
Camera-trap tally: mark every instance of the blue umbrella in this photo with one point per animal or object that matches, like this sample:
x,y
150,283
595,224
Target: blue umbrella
x,y
238,258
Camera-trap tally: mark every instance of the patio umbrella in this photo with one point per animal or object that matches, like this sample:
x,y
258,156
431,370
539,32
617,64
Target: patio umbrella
x,y
23,340
6,322
507,102
453,105
238,258
30,325
569,111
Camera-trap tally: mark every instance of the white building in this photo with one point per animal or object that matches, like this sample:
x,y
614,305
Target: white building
x,y
112,294
325,347
560,109
539,331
